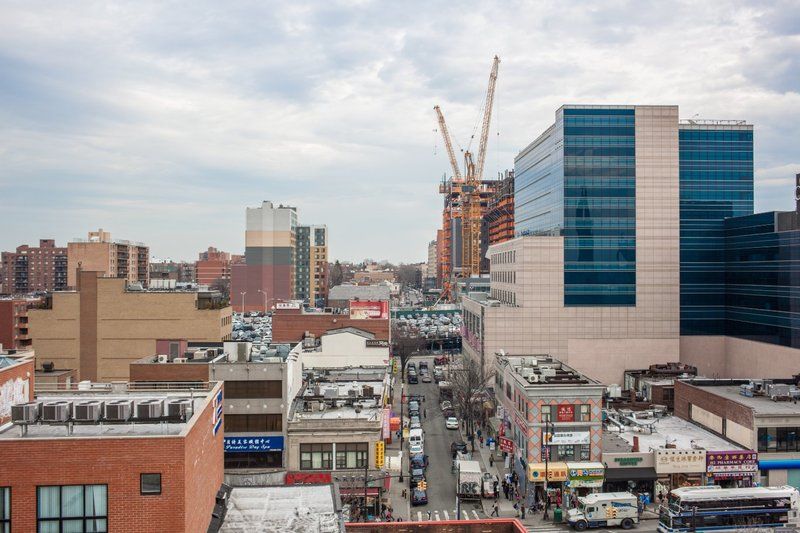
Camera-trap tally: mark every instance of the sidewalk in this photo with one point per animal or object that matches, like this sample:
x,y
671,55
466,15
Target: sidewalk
x,y
401,506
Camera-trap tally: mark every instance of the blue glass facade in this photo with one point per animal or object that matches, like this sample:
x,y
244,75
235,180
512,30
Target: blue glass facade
x,y
762,278
578,179
599,207
716,182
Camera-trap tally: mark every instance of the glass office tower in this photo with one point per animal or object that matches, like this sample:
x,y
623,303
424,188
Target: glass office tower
x,y
716,182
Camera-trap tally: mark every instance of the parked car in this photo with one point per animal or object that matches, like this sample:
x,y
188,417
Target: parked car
x,y
447,413
419,497
412,365
417,475
423,365
446,405
417,461
440,360
412,379
426,378
458,446
451,422
416,449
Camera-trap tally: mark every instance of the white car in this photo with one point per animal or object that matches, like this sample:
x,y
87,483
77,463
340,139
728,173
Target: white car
x,y
451,422
416,449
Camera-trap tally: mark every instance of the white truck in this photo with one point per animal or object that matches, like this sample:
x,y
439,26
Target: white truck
x,y
604,509
468,480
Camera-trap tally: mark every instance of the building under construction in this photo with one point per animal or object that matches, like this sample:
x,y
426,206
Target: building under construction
x,y
499,218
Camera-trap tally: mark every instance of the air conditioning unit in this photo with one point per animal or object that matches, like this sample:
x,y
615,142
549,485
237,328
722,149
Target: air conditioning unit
x,y
200,354
58,411
26,413
118,410
180,360
163,358
533,378
149,409
88,411
179,408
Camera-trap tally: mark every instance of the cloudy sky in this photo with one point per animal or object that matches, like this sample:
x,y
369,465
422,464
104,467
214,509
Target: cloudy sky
x,y
161,121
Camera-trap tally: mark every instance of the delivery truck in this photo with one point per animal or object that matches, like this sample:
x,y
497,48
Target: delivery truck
x,y
468,480
604,509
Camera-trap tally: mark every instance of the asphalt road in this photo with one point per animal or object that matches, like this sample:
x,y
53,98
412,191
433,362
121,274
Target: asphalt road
x,y
441,481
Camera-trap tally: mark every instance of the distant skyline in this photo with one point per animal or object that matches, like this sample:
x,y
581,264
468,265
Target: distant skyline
x,y
161,122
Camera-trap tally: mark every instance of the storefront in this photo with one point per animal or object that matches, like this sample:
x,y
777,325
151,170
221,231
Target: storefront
x,y
556,475
630,472
679,468
732,468
582,479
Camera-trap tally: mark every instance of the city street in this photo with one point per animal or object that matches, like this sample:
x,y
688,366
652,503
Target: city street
x,y
441,481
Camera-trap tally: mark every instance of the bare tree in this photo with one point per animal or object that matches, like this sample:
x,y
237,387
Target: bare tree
x,y
469,384
404,345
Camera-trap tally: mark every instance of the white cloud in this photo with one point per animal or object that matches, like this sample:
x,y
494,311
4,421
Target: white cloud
x,y
161,122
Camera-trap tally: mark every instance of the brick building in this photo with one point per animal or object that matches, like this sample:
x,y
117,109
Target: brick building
x,y
159,474
257,386
16,383
102,327
292,325
30,269
213,265
14,324
115,259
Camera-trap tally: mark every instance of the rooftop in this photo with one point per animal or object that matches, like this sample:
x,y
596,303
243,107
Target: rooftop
x,y
103,425
543,370
761,405
290,508
361,292
673,430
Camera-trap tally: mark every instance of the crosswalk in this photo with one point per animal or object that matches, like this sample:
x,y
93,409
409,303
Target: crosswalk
x,y
436,515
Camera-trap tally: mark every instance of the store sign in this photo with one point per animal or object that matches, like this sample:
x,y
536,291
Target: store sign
x,y
308,478
553,472
506,444
253,444
501,412
733,461
569,438
387,417
671,461
375,343
523,427
627,461
216,417
565,413
287,305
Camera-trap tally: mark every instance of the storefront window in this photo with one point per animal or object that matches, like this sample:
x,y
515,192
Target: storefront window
x,y
547,413
585,413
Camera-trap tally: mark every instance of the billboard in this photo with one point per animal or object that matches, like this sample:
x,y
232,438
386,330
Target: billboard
x,y
361,310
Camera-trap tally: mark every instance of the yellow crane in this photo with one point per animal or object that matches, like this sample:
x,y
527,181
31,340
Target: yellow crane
x,y
470,188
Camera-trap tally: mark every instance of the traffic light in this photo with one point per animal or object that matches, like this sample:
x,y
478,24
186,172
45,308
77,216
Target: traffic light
x,y
395,364
379,450
422,485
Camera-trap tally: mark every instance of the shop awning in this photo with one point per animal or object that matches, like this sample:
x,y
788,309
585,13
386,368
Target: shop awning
x,y
631,474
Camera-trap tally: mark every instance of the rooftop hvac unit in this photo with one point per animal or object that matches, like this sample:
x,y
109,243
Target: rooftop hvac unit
x,y
88,411
526,372
331,393
368,390
26,413
533,378
548,372
200,354
180,360
163,358
58,411
118,410
149,409
179,408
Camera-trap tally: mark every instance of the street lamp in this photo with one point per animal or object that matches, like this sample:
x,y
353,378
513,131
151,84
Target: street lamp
x,y
243,293
265,299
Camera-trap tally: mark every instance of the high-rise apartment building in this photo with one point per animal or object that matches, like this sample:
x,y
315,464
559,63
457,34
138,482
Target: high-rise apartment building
x,y
115,259
268,273
30,269
103,326
594,275
14,324
213,265
311,276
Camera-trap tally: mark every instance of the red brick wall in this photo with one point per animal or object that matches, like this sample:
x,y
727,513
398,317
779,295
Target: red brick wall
x,y
290,327
686,394
188,474
22,371
7,323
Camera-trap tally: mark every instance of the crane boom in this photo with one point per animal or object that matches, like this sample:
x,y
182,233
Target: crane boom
x,y
487,119
449,145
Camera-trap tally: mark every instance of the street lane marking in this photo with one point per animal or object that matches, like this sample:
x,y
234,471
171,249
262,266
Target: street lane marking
x,y
446,515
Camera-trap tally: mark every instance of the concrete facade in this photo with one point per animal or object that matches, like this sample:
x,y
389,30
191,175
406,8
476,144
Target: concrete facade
x,y
731,357
528,314
101,328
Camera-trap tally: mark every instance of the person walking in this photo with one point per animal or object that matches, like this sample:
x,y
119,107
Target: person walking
x,y
495,510
491,460
429,516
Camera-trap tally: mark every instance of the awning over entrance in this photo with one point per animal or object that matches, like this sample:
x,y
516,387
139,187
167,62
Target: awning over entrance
x,y
631,474
555,471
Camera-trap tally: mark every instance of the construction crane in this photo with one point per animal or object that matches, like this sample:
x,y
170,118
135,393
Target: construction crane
x,y
470,185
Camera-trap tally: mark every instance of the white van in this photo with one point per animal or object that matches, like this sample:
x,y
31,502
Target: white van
x,y
415,436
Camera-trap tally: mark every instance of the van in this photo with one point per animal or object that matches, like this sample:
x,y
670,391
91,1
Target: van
x,y
415,436
605,510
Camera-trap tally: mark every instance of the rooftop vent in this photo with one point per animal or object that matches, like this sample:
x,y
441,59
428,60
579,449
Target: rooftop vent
x,y
149,409
118,410
26,413
57,411
88,411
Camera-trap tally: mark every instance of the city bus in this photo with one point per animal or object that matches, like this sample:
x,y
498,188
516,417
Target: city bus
x,y
712,508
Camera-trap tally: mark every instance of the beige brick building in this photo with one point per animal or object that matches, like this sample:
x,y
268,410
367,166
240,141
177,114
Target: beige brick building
x,y
115,259
526,311
100,328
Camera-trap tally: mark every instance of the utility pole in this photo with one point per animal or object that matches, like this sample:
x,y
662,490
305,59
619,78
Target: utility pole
x,y
366,483
243,293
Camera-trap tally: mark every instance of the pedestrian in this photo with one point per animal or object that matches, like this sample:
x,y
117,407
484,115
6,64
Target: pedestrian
x,y
404,494
494,488
516,509
495,510
429,516
491,460
424,413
